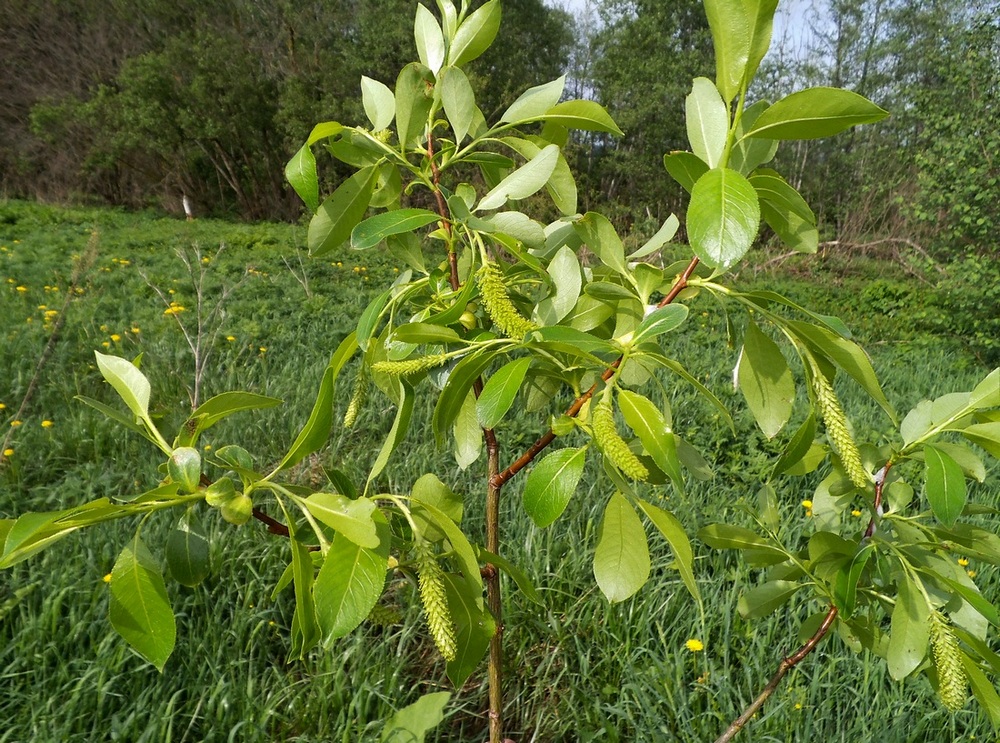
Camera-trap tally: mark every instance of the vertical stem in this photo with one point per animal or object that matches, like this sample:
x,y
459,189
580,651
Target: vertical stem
x,y
493,598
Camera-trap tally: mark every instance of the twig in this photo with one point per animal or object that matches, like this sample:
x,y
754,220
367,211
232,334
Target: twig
x,y
882,241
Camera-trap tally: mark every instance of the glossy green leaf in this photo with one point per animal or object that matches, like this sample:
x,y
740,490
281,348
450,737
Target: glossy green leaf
x,y
519,226
223,405
983,690
707,120
722,218
300,172
500,392
910,630
729,537
453,396
459,100
187,550
350,581
467,436
412,723
369,321
375,229
815,113
400,425
475,34
140,610
751,152
760,20
130,383
519,577
621,558
597,231
564,270
463,550
648,423
798,446
846,587
946,491
663,235
317,429
413,102
680,545
352,518
118,417
585,115
524,181
659,321
786,212
430,39
379,103
339,214
535,101
685,168
986,394
985,435
730,27
421,332
551,484
474,627
765,381
31,533
762,600
304,622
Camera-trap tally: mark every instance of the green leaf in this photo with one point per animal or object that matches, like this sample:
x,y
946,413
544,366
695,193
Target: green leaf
x,y
188,555
814,113
765,381
429,489
760,20
797,447
430,39
216,408
467,436
659,321
475,34
453,396
597,231
643,417
729,537
500,391
369,320
352,518
987,393
985,435
535,102
400,425
762,600
519,576
846,588
585,115
685,168
910,630
31,533
118,417
317,429
722,218
300,172
458,99
786,212
412,723
551,484
564,270
474,627
140,611
983,690
463,551
730,28
524,181
379,103
707,120
421,332
663,235
680,545
413,102
324,130
621,558
946,491
130,383
331,226
350,581
375,229
751,152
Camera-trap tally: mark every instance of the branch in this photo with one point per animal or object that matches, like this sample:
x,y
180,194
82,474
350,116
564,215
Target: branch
x,y
442,209
536,448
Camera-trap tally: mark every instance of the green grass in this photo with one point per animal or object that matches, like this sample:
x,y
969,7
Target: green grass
x,y
578,669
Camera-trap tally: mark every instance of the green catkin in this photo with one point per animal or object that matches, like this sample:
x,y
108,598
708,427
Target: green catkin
x,y
409,367
498,305
840,435
434,599
952,688
610,442
358,398
384,616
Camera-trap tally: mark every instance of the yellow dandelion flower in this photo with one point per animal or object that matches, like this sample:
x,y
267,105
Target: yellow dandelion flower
x,y
695,646
340,264
47,424
17,242
206,260
106,344
807,504
798,705
357,269
135,329
107,578
104,328
230,338
855,513
124,262
262,349
51,313
971,573
8,452
43,306
15,424
2,406
208,447
115,337
963,561
11,281
22,289
171,291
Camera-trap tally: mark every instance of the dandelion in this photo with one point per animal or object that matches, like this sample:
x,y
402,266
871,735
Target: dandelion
x,y
798,705
230,338
47,424
206,260
11,281
115,337
43,306
2,406
49,314
106,344
124,262
971,573
357,269
963,561
107,578
695,646
8,452
208,447
807,504
21,288
340,264
104,328
135,330
262,349
855,513
174,309
15,424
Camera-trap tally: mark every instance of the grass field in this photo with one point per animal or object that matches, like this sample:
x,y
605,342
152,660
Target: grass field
x,y
579,670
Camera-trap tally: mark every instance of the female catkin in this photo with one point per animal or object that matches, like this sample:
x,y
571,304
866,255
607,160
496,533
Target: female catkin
x,y
435,601
498,305
840,435
610,442
358,398
409,367
948,664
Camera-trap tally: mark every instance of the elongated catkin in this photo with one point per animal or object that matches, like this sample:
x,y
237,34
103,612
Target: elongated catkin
x,y
409,367
501,310
610,442
840,435
435,601
952,683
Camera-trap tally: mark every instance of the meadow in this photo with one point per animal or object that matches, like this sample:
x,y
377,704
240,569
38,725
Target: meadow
x,y
578,670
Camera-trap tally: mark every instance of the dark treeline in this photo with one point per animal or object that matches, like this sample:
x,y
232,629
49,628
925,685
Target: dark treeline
x,y
138,102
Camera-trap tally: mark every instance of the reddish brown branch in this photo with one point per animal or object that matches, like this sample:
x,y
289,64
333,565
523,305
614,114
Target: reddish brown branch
x,y
273,526
442,209
541,443
786,665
